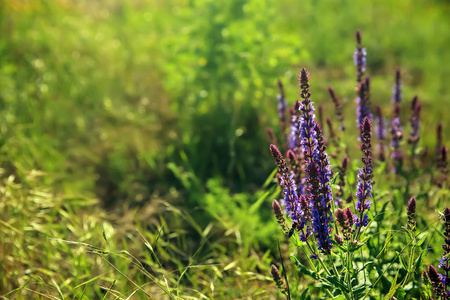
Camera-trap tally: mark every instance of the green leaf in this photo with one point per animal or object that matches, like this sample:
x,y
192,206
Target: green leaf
x,y
333,180
258,202
422,239
302,269
418,261
393,288
270,178
401,261
295,241
304,294
336,282
386,242
362,269
359,291
382,213
400,294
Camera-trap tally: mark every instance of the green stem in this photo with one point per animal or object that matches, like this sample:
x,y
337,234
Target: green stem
x,y
349,266
410,262
318,257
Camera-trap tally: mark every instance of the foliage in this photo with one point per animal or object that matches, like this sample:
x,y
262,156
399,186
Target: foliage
x,y
126,124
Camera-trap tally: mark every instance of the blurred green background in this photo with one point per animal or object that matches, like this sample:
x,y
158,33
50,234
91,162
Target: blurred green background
x,y
101,95
105,93
131,101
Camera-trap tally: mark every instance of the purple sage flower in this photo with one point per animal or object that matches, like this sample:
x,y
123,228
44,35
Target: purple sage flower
x,y
278,214
446,245
380,123
436,282
337,108
411,212
296,167
396,131
363,103
380,133
330,129
359,57
414,135
397,90
277,279
288,186
364,187
441,282
282,104
363,87
438,138
318,170
341,183
345,220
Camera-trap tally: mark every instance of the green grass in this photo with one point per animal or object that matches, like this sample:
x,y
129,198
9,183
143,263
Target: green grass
x,y
125,124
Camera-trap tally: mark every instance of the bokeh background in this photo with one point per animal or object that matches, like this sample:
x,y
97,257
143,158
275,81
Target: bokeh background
x,y
118,117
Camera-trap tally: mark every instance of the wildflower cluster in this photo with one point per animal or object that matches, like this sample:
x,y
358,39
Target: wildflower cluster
x,y
307,194
326,226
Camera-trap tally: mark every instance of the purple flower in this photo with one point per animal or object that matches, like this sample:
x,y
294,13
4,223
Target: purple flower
x,y
444,261
278,214
411,212
397,90
341,183
331,130
440,282
438,138
380,123
345,220
294,134
364,187
363,103
380,133
318,170
296,167
396,131
289,188
414,135
277,278
442,162
359,57
271,135
436,282
337,108
282,104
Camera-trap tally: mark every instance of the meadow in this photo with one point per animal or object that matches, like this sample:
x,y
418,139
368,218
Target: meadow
x,y
135,159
